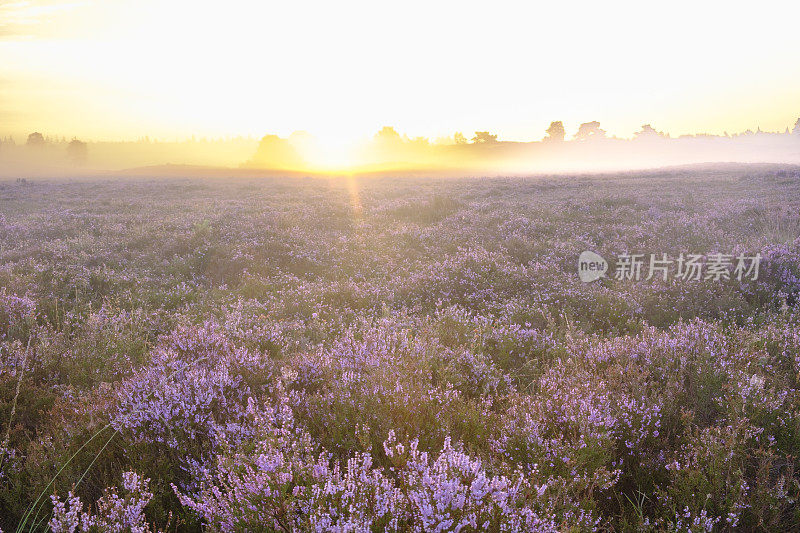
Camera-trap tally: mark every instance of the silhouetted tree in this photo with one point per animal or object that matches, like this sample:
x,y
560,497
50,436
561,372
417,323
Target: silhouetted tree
x,y
648,132
275,152
36,139
303,142
590,130
484,137
388,135
796,129
388,144
459,138
77,151
556,131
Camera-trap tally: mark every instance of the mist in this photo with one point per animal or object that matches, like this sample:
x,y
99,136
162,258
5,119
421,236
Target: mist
x,y
480,154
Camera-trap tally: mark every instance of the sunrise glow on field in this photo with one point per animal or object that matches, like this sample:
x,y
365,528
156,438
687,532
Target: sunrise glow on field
x,y
351,267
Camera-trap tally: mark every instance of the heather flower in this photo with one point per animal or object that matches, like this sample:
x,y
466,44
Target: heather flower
x,y
433,363
114,513
196,386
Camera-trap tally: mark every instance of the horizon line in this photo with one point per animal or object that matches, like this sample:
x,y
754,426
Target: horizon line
x,y
60,137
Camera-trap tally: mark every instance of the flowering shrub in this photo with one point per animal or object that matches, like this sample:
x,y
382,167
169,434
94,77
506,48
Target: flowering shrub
x,y
271,356
453,492
284,483
114,513
195,387
16,315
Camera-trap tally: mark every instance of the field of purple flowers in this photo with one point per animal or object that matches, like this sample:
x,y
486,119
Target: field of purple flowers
x,y
397,355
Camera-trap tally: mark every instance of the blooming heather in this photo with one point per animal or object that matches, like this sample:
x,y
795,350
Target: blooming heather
x,y
267,355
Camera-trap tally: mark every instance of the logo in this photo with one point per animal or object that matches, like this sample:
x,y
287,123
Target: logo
x,y
591,266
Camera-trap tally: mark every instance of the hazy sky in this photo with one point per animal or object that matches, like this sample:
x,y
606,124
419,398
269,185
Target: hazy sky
x,y
341,70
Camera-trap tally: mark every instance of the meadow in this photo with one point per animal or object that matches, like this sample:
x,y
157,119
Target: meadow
x,y
397,354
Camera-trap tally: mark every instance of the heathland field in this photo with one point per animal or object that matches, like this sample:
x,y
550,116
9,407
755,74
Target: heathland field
x,y
401,354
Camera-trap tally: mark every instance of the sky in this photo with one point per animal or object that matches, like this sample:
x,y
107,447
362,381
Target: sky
x,y
120,69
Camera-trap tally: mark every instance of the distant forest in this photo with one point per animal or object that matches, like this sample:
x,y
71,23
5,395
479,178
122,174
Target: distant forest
x,y
388,150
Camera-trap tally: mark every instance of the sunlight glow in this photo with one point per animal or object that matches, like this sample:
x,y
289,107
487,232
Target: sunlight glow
x,y
121,69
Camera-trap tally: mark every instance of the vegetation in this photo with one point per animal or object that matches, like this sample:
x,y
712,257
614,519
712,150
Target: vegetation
x,y
397,355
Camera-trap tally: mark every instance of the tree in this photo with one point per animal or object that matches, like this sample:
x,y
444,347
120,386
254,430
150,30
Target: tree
x,y
276,153
484,137
420,142
648,132
76,151
556,131
459,138
36,139
388,135
303,142
796,129
589,131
